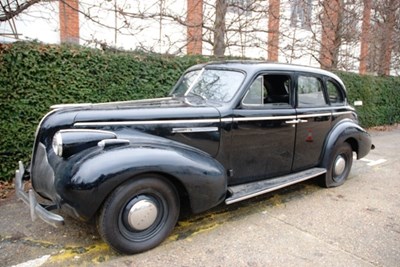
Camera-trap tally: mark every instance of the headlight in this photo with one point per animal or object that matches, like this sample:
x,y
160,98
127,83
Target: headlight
x,y
58,144
71,141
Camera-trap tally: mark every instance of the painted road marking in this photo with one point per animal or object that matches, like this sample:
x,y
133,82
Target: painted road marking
x,y
373,162
34,263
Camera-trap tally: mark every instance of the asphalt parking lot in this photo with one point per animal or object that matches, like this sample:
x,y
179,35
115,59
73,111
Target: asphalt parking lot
x,y
357,224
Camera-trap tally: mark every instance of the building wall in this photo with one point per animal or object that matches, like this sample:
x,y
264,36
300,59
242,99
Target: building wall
x,y
161,26
142,27
69,21
194,20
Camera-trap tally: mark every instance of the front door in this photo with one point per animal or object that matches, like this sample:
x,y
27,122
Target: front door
x,y
263,138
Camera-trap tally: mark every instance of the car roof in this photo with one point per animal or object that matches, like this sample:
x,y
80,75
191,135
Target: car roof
x,y
252,66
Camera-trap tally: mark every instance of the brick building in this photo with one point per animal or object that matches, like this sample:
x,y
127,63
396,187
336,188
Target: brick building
x,y
291,31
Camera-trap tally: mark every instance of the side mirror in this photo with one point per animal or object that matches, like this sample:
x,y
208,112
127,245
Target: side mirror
x,y
358,103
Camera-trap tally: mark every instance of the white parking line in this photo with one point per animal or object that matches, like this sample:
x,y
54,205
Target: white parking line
x,y
373,162
34,263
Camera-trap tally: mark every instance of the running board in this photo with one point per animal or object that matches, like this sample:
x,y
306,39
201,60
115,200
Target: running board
x,y
249,190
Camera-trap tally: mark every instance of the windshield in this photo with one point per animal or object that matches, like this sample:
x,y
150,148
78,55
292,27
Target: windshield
x,y
219,85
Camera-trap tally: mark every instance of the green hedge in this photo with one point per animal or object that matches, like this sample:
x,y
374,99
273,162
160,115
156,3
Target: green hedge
x,y
380,96
35,76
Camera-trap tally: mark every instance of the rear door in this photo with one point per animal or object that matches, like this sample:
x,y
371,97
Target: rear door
x,y
313,120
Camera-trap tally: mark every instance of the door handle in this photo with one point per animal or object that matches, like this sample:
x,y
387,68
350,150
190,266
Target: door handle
x,y
295,121
292,121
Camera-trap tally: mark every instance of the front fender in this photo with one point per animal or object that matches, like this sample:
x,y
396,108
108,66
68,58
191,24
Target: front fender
x,y
97,175
347,131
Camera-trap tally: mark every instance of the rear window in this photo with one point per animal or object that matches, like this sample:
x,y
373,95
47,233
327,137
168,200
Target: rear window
x,y
310,92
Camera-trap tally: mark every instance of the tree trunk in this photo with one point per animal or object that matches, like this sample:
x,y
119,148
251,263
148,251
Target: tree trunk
x,y
330,38
219,28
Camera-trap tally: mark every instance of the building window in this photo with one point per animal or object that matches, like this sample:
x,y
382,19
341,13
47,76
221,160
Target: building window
x,y
301,14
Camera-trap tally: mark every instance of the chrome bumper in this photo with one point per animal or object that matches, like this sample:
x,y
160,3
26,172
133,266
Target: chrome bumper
x,y
29,198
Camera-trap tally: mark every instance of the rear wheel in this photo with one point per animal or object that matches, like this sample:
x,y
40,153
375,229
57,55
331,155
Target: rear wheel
x,y
339,166
139,214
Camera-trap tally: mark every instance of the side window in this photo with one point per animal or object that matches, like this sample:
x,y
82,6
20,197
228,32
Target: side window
x,y
255,95
270,90
334,93
278,89
310,92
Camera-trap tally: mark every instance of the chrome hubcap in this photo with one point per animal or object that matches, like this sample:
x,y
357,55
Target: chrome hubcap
x,y
340,165
142,214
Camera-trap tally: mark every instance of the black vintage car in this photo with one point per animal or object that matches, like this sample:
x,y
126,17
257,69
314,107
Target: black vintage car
x,y
228,131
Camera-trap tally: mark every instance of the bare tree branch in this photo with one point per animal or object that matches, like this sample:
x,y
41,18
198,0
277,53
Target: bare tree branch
x,y
12,9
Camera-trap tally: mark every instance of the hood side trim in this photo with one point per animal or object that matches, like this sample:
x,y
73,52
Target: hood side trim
x,y
119,123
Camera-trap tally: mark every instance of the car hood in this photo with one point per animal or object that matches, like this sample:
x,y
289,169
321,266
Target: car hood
x,y
188,120
145,103
143,110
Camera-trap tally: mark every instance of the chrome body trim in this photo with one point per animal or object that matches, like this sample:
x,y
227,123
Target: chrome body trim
x,y
37,132
314,115
127,123
195,130
138,100
86,130
61,106
228,202
227,120
112,142
323,108
270,118
341,113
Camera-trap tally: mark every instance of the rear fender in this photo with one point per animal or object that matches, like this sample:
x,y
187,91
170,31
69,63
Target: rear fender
x,y
100,173
347,131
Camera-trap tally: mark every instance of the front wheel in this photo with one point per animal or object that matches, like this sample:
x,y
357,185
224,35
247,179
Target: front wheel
x,y
339,166
139,214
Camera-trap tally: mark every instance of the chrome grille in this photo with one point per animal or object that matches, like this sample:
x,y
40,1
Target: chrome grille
x,y
42,174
